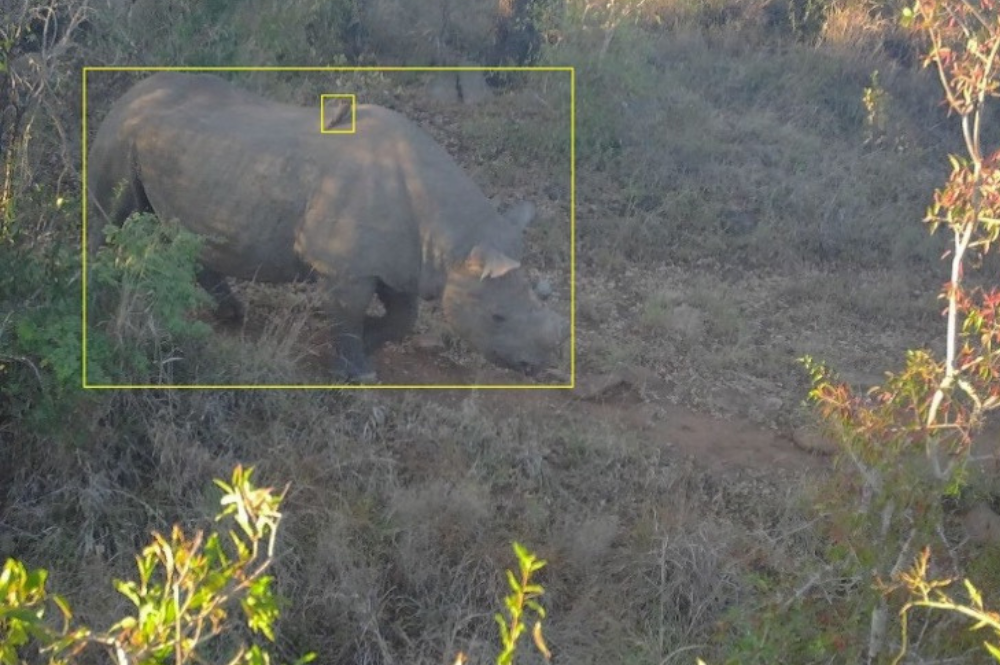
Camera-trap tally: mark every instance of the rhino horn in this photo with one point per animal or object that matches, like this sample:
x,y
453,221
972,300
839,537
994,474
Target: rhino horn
x,y
490,262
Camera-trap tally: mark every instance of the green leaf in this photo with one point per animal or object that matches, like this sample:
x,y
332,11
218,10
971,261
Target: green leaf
x,y
63,607
974,594
10,566
504,632
125,625
907,17
513,582
215,552
128,589
22,617
536,608
242,549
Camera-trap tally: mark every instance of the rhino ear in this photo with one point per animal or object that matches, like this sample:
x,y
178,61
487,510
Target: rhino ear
x,y
520,214
490,262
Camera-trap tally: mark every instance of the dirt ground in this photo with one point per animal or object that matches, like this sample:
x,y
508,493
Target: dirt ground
x,y
633,401
634,405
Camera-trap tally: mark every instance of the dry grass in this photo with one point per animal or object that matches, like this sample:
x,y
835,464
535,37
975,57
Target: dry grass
x,y
731,218
400,516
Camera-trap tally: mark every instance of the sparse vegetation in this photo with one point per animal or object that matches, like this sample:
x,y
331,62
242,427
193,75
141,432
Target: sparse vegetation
x,y
145,277
748,192
183,598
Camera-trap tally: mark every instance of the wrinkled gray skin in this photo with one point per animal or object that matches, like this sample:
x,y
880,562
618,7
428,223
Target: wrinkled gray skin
x,y
384,211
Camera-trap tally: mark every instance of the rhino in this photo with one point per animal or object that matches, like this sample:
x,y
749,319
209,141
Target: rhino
x,y
382,212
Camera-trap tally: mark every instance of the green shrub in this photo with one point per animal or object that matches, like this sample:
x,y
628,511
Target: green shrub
x,y
187,589
142,291
40,321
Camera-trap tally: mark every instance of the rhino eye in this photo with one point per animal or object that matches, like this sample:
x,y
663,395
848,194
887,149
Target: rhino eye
x,y
499,318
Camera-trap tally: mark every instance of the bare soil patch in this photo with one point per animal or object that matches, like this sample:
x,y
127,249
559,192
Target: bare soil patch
x,y
639,409
634,401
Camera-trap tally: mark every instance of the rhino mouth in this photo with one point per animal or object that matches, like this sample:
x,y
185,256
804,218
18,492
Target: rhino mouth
x,y
531,365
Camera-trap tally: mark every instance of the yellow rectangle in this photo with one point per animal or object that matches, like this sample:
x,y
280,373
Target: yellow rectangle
x,y
572,149
353,99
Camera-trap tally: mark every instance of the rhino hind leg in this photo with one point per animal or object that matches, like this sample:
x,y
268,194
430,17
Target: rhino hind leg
x,y
400,316
347,304
227,306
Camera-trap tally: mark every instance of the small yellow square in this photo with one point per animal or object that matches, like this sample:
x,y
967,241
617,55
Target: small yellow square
x,y
325,122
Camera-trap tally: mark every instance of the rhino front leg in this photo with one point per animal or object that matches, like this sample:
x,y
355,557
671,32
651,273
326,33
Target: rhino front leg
x,y
227,306
347,304
400,316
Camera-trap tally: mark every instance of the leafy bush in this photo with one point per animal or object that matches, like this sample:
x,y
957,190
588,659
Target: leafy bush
x,y
184,596
142,292
906,444
45,326
188,587
40,321
220,33
522,598
930,594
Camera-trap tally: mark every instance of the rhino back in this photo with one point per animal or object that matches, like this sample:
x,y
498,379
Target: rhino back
x,y
278,198
391,186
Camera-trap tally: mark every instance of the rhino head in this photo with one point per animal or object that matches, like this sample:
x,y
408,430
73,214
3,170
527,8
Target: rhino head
x,y
489,302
